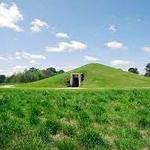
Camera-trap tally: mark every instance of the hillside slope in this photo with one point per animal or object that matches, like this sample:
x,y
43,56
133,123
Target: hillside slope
x,y
96,76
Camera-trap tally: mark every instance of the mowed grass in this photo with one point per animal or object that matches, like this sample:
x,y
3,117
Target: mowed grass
x,y
75,119
96,76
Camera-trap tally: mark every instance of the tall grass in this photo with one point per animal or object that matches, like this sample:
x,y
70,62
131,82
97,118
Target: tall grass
x,y
74,119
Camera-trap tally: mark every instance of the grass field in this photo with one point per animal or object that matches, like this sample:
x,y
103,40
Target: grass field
x,y
96,76
74,119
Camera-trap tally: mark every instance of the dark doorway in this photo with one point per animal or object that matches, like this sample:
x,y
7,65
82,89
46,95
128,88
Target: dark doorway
x,y
75,81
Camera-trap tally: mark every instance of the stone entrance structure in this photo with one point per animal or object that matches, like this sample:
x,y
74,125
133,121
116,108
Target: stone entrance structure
x,y
75,80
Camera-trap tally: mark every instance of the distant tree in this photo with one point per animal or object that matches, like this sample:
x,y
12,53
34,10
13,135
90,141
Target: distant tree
x,y
32,74
11,79
53,69
147,74
49,72
2,78
32,69
61,71
133,70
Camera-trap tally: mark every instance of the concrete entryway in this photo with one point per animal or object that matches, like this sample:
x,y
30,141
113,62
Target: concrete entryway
x,y
75,80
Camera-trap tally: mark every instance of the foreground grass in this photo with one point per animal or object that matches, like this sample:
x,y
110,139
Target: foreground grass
x,y
74,119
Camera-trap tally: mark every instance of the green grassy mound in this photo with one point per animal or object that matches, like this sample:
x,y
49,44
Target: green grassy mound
x,y
74,119
96,76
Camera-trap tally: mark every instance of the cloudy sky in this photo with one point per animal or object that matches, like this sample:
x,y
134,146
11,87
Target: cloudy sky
x,y
69,33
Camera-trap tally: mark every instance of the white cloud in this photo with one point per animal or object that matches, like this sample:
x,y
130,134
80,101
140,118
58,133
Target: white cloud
x,y
91,58
123,64
37,25
31,58
146,49
3,58
28,56
10,16
120,62
62,35
68,68
113,28
33,61
18,68
115,45
2,71
18,56
18,61
67,46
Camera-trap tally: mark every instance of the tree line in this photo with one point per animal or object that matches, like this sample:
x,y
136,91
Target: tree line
x,y
30,75
135,70
34,74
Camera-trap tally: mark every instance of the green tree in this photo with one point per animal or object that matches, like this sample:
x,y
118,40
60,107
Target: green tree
x,y
49,72
133,70
147,74
2,78
33,74
61,71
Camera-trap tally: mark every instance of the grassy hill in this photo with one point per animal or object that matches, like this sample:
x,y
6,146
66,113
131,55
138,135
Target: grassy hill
x,y
96,76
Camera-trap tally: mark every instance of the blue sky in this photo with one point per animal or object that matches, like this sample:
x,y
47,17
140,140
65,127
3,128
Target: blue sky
x,y
67,33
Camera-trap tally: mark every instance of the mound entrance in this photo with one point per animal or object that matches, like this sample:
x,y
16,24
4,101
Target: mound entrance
x,y
75,79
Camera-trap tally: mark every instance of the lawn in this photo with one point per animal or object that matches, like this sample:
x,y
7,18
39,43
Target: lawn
x,y
74,119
